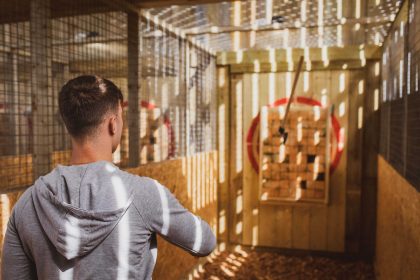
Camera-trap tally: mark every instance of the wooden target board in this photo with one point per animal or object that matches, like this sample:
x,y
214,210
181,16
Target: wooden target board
x,y
297,170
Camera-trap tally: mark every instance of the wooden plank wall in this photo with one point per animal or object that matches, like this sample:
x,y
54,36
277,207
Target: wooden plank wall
x,y
316,227
398,226
334,227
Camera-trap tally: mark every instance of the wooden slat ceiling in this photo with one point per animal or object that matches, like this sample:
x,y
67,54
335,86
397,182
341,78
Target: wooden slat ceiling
x,y
161,3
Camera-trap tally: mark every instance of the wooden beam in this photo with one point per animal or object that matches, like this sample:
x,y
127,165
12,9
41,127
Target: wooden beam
x,y
215,30
223,145
160,3
11,105
285,67
354,159
10,11
133,75
114,67
371,132
292,55
121,5
42,109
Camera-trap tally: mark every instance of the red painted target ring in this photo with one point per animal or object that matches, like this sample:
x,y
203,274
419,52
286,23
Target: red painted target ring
x,y
253,150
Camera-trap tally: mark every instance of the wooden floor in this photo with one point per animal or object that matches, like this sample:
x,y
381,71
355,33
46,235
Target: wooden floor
x,y
268,265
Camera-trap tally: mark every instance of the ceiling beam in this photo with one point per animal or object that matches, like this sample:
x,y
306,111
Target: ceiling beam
x,y
292,56
161,3
11,12
285,67
272,27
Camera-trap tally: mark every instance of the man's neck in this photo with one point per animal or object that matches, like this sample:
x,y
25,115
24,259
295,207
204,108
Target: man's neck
x,y
89,151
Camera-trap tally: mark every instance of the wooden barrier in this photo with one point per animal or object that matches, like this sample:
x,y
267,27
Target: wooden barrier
x,y
193,180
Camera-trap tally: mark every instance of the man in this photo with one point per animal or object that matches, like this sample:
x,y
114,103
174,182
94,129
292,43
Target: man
x,y
91,220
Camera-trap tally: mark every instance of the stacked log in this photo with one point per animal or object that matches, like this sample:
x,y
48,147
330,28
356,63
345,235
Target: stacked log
x,y
295,170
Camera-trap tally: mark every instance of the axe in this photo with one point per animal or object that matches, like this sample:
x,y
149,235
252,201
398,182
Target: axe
x,y
282,129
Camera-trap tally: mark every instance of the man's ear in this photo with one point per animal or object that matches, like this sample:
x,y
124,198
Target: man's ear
x,y
112,125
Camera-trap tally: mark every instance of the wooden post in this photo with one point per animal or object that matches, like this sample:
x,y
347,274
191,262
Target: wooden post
x,y
188,75
370,160
42,107
11,105
183,140
236,159
223,147
354,163
133,89
64,134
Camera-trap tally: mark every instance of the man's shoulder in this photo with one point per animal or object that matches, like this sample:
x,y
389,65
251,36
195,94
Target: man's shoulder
x,y
25,197
135,177
23,200
140,184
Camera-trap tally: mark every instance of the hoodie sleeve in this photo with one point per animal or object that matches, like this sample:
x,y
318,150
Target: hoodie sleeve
x,y
15,264
164,214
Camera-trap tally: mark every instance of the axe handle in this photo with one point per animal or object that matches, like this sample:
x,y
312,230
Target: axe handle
x,y
299,68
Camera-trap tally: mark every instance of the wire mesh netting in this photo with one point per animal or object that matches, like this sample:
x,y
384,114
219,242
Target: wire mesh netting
x,y
45,43
281,24
180,100
413,99
400,94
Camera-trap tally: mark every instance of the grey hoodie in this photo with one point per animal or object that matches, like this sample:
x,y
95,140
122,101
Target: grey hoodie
x,y
95,221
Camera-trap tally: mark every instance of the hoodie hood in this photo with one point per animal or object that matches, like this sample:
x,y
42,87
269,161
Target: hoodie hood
x,y
78,206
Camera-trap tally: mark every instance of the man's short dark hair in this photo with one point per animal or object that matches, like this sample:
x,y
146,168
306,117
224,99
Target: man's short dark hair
x,y
85,101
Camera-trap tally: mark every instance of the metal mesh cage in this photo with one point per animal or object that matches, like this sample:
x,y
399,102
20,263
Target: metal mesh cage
x,y
400,95
297,23
413,95
45,43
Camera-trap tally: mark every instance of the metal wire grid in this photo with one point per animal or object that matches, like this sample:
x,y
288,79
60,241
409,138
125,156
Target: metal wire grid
x,y
16,121
168,96
400,106
201,102
332,15
396,43
87,44
163,96
41,50
413,95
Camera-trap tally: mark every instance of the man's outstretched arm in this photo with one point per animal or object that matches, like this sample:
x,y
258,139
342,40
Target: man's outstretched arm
x,y
164,214
15,264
